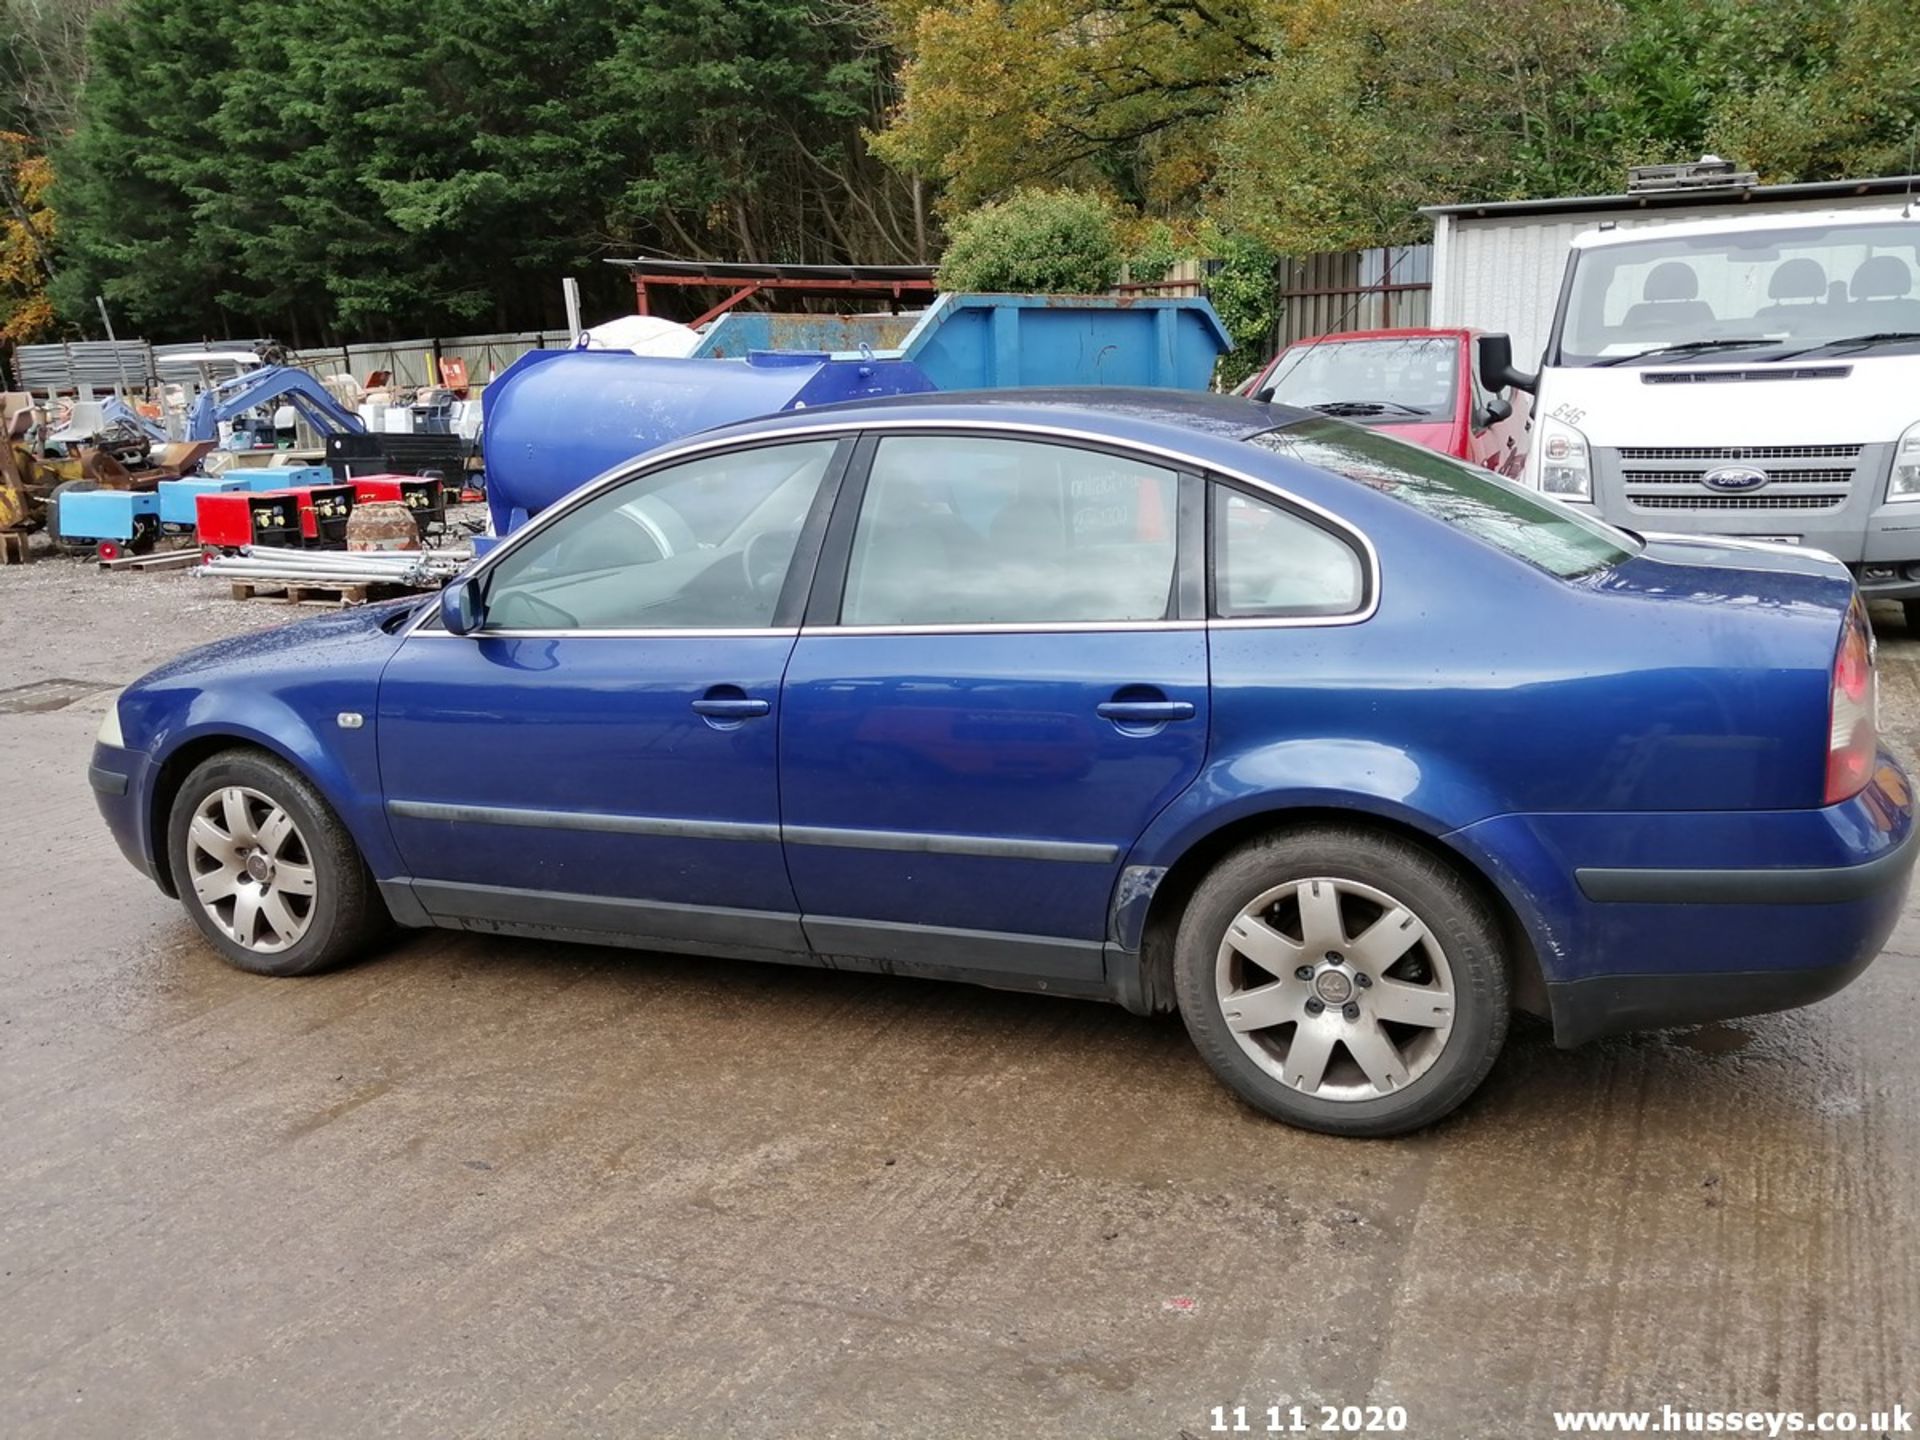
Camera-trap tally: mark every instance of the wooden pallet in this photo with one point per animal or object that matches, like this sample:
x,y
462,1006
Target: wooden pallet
x,y
337,594
13,547
165,560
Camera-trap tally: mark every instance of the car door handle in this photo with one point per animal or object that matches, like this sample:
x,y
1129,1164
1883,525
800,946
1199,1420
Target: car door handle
x,y
720,707
1145,712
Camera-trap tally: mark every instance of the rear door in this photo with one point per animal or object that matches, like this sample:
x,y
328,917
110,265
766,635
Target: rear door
x,y
1002,679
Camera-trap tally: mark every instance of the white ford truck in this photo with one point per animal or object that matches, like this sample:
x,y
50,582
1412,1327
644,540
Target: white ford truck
x,y
1753,377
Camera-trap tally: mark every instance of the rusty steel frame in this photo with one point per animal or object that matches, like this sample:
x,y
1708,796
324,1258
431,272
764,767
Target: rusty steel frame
x,y
894,289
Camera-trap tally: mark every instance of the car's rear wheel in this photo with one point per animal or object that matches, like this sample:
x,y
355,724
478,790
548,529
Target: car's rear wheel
x,y
266,869
1342,980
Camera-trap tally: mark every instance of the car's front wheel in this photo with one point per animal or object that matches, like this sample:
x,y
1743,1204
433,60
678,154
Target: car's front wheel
x,y
1342,980
266,869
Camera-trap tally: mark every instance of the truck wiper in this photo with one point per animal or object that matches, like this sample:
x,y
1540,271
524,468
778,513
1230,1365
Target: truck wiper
x,y
1683,347
1364,407
1856,342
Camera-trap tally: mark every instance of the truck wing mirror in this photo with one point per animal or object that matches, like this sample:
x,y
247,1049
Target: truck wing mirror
x,y
1496,365
1495,410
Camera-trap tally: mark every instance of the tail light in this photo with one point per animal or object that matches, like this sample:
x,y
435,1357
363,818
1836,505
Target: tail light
x,y
1853,710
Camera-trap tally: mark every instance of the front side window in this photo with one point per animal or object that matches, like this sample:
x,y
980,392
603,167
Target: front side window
x,y
1406,380
1268,561
704,544
979,530
1498,512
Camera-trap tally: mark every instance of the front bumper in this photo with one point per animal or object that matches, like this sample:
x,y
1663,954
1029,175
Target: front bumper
x,y
1828,499
1643,921
1888,579
119,778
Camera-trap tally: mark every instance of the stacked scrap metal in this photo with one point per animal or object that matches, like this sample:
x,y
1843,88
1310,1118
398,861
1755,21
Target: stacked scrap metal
x,y
406,569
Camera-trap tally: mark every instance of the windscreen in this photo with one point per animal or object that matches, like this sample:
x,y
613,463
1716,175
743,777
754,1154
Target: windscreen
x,y
1556,538
1405,379
1784,289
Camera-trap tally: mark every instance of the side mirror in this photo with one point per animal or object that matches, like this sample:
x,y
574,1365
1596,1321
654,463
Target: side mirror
x,y
461,612
1496,365
1495,410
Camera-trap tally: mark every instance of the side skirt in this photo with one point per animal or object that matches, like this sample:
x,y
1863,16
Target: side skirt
x,y
983,957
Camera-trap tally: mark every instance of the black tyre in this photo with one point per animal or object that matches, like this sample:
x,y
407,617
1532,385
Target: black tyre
x,y
266,869
1911,609
1342,980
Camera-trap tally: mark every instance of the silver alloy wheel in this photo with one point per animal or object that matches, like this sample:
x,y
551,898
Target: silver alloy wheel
x,y
1335,988
250,869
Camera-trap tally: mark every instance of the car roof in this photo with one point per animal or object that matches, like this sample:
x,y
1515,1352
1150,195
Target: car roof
x,y
1166,417
1738,224
1403,332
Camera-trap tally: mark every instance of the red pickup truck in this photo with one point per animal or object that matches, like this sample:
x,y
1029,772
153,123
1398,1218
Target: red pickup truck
x,y
1421,385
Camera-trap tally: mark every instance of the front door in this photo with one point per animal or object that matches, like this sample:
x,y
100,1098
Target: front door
x,y
1002,680
600,756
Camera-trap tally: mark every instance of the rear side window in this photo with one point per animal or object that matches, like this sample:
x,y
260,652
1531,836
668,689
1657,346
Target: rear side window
x,y
979,530
1270,562
1555,537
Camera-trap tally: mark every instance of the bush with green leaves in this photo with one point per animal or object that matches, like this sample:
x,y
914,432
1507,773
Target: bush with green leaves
x,y
1048,242
1246,293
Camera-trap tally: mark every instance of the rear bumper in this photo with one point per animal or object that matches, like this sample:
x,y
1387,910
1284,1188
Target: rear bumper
x,y
1585,1010
1643,921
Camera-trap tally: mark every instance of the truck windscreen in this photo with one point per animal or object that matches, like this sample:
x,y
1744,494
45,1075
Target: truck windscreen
x,y
1744,295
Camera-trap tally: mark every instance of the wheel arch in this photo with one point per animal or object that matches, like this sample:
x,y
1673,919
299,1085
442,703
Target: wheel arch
x,y
189,751
1167,891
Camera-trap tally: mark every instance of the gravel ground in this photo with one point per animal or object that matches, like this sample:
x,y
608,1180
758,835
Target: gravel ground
x,y
495,1188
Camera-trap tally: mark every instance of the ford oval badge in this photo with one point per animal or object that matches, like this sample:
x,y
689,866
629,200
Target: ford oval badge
x,y
1733,479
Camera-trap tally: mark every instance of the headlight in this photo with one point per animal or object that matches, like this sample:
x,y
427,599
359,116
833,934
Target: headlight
x,y
1904,484
1564,468
109,732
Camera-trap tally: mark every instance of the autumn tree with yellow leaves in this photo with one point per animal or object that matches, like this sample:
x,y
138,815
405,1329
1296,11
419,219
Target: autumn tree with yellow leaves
x,y
1324,124
26,241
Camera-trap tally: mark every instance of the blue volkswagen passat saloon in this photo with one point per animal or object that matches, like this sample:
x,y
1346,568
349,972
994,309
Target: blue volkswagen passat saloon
x,y
1339,747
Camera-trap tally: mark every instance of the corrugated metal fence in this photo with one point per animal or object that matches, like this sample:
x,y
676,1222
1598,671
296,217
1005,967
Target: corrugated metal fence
x,y
1385,288
103,365
409,363
1381,289
1320,295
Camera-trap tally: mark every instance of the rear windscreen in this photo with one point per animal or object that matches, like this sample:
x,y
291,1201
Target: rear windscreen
x,y
1543,532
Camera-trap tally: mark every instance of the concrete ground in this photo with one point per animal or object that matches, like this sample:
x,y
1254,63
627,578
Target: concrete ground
x,y
491,1188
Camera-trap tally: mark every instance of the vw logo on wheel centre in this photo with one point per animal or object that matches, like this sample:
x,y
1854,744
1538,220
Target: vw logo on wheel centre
x,y
1735,478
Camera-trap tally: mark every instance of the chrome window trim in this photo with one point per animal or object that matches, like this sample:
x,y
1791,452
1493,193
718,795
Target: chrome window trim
x,y
774,633
873,424
1009,627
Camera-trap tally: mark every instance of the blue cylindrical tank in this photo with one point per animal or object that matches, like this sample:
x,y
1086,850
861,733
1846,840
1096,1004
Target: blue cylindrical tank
x,y
554,419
